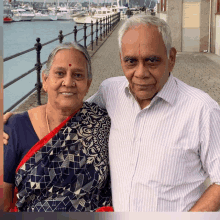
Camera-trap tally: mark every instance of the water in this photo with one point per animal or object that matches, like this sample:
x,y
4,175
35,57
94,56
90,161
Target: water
x,y
20,36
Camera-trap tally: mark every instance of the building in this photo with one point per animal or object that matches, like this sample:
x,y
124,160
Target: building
x,y
195,24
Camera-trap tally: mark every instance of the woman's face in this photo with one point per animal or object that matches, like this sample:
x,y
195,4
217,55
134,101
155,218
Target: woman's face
x,y
67,83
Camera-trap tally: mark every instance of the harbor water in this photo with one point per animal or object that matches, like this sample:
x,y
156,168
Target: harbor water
x,y
20,36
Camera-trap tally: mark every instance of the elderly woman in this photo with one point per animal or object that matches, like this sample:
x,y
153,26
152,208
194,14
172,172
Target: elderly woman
x,y
57,158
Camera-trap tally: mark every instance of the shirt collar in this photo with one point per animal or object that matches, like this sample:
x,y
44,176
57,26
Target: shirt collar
x,y
169,90
167,93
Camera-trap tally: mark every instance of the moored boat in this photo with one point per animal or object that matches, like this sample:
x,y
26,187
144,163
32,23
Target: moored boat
x,y
44,15
23,14
7,19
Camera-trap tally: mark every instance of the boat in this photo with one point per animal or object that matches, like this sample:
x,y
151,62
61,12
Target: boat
x,y
44,15
95,15
25,15
7,15
85,19
64,13
7,19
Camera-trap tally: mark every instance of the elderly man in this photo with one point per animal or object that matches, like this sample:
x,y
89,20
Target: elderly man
x,y
164,139
165,135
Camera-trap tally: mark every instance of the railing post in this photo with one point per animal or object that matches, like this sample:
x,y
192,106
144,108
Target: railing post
x,y
85,35
100,29
75,32
96,32
110,22
38,68
92,34
61,36
104,27
109,29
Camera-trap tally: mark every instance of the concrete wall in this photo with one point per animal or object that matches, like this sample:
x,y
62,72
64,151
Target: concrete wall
x,y
213,26
191,26
217,36
174,19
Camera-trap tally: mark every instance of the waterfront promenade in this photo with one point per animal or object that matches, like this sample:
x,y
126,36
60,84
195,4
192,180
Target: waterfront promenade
x,y
201,70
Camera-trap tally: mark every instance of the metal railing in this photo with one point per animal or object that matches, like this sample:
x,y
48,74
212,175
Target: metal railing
x,y
100,29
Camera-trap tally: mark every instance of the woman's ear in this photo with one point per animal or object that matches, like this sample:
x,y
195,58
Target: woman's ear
x,y
44,79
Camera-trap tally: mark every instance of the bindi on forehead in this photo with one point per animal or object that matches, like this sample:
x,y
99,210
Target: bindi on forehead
x,y
70,64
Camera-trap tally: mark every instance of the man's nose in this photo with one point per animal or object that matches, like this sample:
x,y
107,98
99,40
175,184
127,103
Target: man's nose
x,y
142,71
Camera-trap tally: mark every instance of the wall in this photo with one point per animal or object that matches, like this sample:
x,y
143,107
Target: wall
x,y
204,25
174,19
217,36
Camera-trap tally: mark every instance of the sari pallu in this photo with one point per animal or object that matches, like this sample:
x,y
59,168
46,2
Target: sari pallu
x,y
68,169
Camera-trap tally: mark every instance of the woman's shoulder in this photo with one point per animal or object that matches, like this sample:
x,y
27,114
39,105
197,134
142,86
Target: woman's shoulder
x,y
17,120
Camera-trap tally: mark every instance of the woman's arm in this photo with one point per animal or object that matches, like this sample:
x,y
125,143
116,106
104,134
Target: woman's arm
x,y
8,192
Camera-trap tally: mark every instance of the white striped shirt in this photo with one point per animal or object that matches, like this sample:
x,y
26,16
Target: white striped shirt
x,y
161,155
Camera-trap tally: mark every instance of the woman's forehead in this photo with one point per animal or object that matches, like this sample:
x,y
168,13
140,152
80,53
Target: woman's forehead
x,y
70,57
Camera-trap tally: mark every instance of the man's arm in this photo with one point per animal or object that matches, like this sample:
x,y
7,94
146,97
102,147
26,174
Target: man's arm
x,y
5,119
98,98
209,201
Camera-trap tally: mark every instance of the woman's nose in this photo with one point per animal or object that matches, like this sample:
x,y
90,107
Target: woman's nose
x,y
68,81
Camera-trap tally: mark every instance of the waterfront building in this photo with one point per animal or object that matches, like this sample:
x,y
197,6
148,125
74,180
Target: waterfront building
x,y
195,24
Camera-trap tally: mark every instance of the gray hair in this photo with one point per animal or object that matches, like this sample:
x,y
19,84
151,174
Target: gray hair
x,y
69,45
162,26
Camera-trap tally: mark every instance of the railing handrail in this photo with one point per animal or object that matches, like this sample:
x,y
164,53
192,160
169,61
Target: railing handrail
x,y
103,25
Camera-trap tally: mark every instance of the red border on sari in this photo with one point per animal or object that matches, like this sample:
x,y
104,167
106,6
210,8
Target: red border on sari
x,y
34,150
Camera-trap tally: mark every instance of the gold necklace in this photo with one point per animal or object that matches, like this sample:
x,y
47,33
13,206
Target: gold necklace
x,y
48,127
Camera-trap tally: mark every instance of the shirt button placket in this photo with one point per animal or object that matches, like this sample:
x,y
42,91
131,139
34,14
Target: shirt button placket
x,y
135,151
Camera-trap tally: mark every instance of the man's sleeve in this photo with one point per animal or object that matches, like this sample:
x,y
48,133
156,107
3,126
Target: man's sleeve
x,y
99,97
210,144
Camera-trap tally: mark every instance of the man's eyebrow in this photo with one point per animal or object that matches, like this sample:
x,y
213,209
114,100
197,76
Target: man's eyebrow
x,y
129,57
157,58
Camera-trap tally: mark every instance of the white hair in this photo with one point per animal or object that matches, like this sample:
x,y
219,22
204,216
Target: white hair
x,y
162,26
69,45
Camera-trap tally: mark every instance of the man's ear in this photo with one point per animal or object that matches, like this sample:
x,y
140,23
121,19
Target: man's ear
x,y
44,79
172,59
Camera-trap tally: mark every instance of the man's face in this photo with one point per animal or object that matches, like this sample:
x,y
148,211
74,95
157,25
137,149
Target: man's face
x,y
144,62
